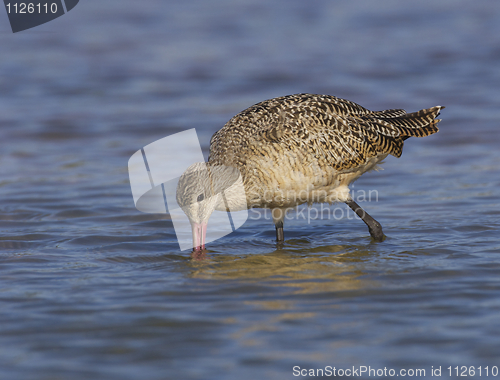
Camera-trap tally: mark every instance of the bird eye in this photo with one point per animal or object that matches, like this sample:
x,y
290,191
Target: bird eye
x,y
200,197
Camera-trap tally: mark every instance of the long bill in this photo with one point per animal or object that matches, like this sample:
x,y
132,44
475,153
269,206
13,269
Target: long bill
x,y
199,234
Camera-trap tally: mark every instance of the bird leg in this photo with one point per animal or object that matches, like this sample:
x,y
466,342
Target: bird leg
x,y
278,218
373,226
280,236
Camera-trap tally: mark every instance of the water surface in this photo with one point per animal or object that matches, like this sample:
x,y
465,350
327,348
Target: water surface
x,y
92,288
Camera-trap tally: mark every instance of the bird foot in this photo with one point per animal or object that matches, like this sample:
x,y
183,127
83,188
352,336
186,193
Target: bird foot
x,y
376,232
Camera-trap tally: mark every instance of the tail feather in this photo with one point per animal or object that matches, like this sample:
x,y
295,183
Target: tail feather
x,y
428,130
387,114
390,128
416,124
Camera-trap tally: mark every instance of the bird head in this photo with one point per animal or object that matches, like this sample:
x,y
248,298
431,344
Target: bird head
x,y
200,192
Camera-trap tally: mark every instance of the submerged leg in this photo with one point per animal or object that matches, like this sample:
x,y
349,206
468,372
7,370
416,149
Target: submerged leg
x,y
278,218
373,226
280,236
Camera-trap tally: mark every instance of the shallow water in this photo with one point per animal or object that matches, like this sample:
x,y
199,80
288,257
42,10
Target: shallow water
x,y
92,288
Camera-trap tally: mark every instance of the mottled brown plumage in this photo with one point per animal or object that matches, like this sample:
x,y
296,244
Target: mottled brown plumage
x,y
313,143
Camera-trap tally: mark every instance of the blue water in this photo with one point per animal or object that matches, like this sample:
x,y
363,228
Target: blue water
x,y
91,288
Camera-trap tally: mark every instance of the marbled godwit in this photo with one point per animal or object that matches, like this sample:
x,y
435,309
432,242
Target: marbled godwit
x,y
296,149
